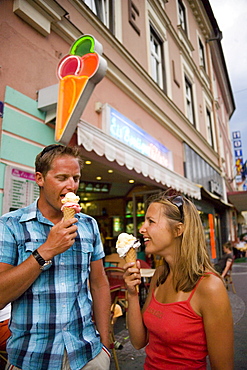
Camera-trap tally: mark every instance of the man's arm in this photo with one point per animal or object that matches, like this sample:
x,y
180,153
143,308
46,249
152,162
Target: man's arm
x,y
15,280
100,291
227,267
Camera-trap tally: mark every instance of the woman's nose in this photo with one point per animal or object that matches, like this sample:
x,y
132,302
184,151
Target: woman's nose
x,y
142,229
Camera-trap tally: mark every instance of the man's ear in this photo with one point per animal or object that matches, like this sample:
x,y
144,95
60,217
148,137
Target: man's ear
x,y
39,179
179,229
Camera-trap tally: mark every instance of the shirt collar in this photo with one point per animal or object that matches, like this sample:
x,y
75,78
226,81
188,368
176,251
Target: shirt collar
x,y
33,213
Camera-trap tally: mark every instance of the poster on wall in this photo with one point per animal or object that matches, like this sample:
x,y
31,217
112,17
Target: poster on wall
x,y
20,189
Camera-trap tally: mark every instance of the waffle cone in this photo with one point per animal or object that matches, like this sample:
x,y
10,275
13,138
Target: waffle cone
x,y
131,257
68,212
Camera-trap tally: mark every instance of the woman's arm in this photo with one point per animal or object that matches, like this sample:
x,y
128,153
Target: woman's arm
x,y
137,330
216,311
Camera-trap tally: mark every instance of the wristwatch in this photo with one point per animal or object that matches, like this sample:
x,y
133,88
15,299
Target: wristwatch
x,y
44,265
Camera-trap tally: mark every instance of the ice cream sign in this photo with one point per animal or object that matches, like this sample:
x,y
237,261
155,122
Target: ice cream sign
x,y
78,74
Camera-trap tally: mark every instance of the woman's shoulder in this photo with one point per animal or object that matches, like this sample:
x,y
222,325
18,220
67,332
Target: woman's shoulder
x,y
211,294
211,285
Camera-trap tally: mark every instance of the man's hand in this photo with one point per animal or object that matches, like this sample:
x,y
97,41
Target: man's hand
x,y
61,237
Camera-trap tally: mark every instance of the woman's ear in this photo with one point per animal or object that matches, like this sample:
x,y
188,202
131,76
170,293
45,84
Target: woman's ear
x,y
179,229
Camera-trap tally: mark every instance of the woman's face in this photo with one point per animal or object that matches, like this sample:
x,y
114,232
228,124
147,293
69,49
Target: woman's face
x,y
157,231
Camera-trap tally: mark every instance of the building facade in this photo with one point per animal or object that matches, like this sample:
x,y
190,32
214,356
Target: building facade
x,y
159,119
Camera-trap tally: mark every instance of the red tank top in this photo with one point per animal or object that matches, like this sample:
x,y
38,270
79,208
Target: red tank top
x,y
177,338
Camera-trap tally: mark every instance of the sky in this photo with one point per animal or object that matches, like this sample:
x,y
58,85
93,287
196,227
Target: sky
x,y
231,17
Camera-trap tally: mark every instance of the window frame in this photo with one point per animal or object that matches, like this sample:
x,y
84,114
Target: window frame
x,y
104,11
182,17
189,99
209,127
202,59
157,57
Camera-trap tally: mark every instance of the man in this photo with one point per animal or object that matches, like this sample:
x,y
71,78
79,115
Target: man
x,y
225,262
47,265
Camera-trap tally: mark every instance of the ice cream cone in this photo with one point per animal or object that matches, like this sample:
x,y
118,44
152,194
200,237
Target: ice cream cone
x,y
70,90
131,257
68,212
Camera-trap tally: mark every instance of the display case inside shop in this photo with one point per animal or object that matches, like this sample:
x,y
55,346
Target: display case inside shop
x,y
135,211
134,215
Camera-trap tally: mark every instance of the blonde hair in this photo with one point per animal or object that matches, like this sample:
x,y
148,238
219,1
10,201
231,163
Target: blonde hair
x,y
192,258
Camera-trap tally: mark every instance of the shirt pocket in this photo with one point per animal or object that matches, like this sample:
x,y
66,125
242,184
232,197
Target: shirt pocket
x,y
82,253
28,249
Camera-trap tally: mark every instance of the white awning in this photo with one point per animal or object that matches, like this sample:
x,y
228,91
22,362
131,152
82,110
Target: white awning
x,y
94,139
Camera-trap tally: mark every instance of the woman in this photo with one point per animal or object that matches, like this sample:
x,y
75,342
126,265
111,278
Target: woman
x,y
187,314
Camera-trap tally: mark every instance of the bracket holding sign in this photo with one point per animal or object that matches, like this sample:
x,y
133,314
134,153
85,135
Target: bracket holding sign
x,y
78,74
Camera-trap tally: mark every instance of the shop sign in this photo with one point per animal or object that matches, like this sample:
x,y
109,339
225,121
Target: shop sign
x,y
78,74
126,131
238,154
1,109
20,189
215,187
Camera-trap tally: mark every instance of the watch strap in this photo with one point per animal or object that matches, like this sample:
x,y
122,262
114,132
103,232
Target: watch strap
x,y
38,258
44,265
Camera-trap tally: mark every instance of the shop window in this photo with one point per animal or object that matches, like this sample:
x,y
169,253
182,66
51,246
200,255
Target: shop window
x,y
209,128
104,10
189,101
182,16
157,58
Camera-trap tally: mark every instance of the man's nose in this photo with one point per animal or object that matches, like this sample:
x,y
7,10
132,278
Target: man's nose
x,y
71,185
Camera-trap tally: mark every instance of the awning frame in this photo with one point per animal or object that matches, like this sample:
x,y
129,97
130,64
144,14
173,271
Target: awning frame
x,y
94,139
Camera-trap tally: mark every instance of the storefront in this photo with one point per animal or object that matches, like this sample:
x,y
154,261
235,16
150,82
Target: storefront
x,y
139,166
123,166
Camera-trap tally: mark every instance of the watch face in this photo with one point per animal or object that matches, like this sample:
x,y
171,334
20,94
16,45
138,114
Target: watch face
x,y
46,265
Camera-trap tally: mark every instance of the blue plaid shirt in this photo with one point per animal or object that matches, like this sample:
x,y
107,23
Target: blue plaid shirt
x,y
56,311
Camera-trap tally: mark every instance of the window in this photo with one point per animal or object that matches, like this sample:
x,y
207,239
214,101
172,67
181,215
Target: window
x,y
156,58
189,101
104,11
201,55
209,127
182,16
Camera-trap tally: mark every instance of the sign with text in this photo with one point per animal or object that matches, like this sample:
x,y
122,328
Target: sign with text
x,y
20,189
238,156
126,131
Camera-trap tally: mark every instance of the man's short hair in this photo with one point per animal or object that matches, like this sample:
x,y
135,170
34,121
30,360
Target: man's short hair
x,y
45,158
228,245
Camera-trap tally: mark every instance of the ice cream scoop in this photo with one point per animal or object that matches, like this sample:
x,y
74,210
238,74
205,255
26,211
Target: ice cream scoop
x,y
70,205
125,242
126,248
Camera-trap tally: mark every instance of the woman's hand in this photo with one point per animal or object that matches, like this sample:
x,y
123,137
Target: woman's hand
x,y
132,277
137,329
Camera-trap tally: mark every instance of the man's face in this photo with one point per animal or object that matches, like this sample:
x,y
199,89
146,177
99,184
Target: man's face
x,y
63,177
